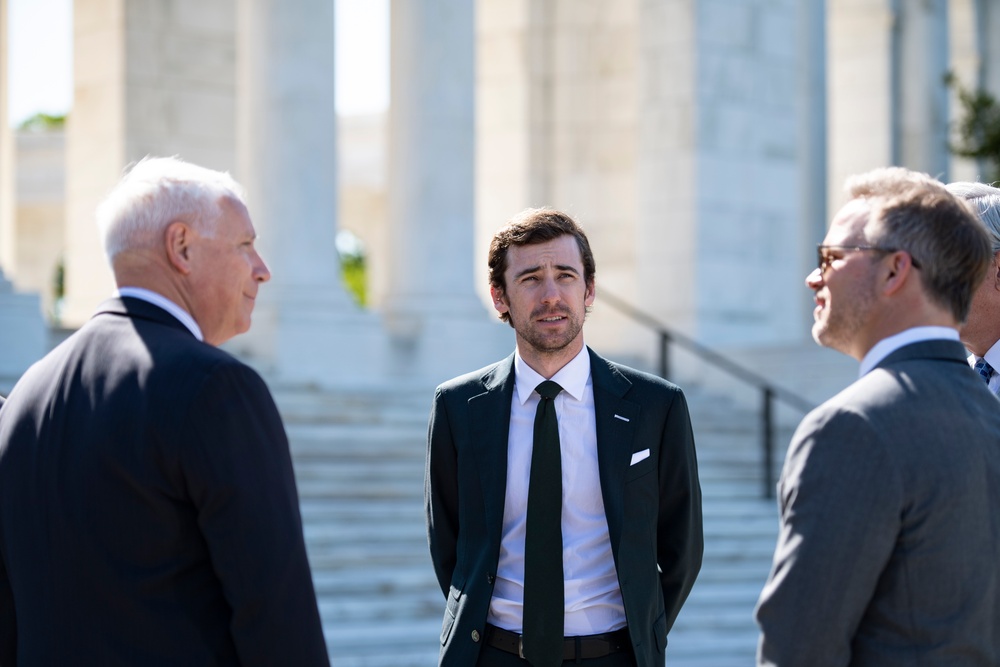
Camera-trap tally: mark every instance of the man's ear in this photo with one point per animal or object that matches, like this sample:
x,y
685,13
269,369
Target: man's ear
x,y
993,270
588,298
178,239
900,267
499,299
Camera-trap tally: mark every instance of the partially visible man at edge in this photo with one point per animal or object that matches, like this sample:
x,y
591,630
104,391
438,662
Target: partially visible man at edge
x,y
148,511
890,519
981,331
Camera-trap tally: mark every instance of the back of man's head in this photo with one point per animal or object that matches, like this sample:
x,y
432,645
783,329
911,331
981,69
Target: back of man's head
x,y
913,212
155,192
985,200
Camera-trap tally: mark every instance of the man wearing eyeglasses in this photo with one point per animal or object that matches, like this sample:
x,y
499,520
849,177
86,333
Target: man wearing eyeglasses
x,y
981,331
890,514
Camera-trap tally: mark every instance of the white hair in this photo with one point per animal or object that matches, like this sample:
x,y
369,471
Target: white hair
x,y
157,191
986,200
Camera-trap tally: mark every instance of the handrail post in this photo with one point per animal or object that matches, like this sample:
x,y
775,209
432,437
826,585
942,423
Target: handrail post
x,y
768,437
664,355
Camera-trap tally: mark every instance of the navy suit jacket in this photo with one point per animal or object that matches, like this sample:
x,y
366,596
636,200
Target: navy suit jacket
x,y
148,509
653,507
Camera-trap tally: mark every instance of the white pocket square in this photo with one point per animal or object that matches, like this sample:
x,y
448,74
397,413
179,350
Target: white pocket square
x,y
639,456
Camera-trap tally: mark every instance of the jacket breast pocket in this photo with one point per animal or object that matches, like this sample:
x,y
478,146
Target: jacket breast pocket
x,y
640,468
450,614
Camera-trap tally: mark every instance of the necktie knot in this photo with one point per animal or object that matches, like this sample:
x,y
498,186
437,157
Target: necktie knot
x,y
982,367
548,389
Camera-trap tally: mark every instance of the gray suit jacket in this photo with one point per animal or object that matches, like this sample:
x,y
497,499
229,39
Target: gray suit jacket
x,y
653,508
890,523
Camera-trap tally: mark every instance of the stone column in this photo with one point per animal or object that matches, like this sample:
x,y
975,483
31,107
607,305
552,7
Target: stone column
x,y
306,328
22,330
861,104
150,78
920,63
812,123
433,314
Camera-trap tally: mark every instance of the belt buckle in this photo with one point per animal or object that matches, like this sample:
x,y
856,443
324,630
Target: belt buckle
x,y
520,647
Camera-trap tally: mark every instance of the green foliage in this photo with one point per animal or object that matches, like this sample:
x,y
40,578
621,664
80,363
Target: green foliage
x,y
59,280
353,272
979,127
43,121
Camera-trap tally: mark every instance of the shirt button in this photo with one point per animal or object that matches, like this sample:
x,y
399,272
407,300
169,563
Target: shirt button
x,y
475,635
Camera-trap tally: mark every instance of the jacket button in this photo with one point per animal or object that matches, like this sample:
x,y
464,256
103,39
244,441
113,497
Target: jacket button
x,y
490,579
475,635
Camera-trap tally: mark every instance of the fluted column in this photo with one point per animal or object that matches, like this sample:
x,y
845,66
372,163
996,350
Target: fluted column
x,y
306,327
920,63
812,121
431,308
149,78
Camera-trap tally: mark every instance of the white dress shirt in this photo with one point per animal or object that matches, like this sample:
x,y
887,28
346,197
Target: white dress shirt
x,y
992,357
164,303
887,346
592,596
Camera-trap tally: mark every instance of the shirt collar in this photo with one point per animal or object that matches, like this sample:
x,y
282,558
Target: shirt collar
x,y
573,377
992,356
166,304
887,346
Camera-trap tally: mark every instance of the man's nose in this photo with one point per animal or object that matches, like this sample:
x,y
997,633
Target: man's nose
x,y
260,271
550,290
815,279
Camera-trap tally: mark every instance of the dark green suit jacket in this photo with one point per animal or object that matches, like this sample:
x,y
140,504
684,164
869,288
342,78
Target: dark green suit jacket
x,y
653,507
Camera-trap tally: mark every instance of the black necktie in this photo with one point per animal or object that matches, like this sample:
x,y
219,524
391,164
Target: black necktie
x,y
544,604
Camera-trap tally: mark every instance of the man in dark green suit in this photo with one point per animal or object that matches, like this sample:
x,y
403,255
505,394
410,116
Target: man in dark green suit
x,y
629,511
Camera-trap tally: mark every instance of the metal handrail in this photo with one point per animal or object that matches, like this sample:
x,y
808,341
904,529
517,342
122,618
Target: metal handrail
x,y
769,391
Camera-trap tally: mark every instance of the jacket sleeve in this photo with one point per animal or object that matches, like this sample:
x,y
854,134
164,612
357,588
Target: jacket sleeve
x,y
240,478
441,493
839,501
679,537
8,620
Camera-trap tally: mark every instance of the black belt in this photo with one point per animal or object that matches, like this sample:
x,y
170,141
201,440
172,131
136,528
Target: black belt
x,y
585,647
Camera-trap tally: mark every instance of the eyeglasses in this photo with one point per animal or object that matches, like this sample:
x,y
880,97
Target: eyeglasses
x,y
823,261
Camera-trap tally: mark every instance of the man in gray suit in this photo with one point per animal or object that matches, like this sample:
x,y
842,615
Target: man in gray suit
x,y
981,331
890,512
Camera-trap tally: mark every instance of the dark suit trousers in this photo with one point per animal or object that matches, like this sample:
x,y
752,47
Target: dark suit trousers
x,y
490,656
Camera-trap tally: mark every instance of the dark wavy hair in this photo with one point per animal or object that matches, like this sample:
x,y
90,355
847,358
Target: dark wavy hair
x,y
531,226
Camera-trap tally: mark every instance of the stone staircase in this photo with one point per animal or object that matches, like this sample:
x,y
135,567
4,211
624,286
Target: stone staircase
x,y
360,475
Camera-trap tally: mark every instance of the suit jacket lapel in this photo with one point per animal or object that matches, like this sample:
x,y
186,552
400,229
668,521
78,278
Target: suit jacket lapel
x,y
616,418
489,413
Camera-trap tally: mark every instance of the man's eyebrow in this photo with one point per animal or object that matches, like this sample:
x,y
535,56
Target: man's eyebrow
x,y
530,269
559,267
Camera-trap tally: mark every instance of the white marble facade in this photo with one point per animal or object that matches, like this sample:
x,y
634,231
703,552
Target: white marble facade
x,y
702,143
